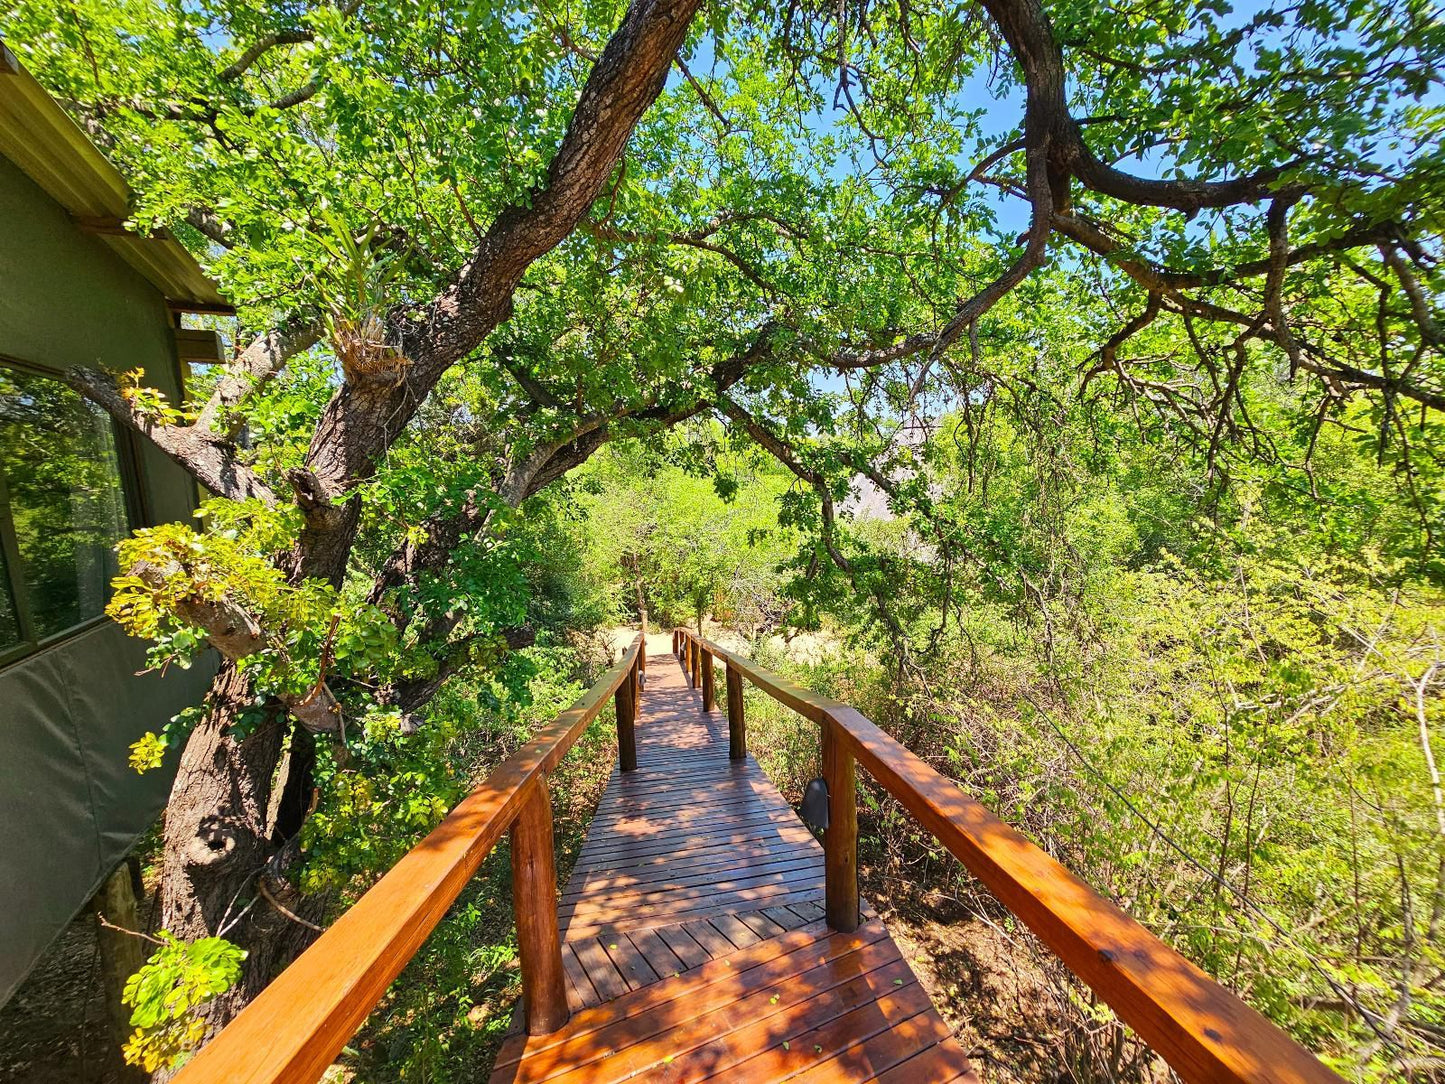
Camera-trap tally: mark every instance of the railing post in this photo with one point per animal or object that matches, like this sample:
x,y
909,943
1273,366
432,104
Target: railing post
x,y
534,899
626,700
697,654
709,686
737,728
840,839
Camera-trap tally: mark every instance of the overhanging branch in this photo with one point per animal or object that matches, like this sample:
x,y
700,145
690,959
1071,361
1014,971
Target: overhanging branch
x,y
211,459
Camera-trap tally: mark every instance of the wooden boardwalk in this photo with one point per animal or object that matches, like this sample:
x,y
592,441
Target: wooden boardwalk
x,y
694,941
692,944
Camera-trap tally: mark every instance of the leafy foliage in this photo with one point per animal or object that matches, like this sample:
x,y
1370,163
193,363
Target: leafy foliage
x,y
688,530
178,978
1067,363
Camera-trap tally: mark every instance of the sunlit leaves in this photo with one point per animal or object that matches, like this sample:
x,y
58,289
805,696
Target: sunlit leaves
x,y
165,993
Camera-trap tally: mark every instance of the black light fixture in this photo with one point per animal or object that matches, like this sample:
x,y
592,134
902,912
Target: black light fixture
x,y
814,809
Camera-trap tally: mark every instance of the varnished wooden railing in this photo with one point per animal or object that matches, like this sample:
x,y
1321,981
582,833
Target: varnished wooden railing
x,y
1201,1029
299,1023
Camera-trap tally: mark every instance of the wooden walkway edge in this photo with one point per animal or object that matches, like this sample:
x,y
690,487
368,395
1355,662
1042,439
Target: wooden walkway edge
x,y
696,947
694,940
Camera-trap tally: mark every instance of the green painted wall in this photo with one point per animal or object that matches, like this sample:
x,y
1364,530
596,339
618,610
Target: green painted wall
x,y
70,805
66,299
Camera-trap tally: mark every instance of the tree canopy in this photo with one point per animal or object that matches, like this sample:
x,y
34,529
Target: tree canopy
x,y
882,245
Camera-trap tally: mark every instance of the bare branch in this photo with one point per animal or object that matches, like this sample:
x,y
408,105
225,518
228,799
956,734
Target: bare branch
x,y
304,93
259,48
1419,304
697,240
1109,352
208,223
703,96
264,44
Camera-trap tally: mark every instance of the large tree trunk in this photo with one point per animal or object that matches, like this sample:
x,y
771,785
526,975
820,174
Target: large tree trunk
x,y
220,842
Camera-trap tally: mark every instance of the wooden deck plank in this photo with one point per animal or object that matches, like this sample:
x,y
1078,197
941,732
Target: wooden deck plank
x,y
715,943
684,947
821,1029
580,991
693,940
690,894
936,1065
599,889
734,929
761,924
655,878
601,972
748,1040
655,950
873,1039
710,985
649,1034
630,963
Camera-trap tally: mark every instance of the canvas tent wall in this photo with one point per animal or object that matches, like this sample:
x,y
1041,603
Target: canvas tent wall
x,y
74,291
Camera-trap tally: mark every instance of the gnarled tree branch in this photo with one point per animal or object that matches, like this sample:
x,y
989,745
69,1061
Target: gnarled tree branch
x,y
211,459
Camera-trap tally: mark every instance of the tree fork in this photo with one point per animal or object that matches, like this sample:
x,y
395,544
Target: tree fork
x,y
218,837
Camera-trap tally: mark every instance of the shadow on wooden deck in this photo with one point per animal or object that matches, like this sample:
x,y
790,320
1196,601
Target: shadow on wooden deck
x,y
693,937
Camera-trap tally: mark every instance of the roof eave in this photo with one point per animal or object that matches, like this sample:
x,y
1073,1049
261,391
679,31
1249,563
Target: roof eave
x,y
51,149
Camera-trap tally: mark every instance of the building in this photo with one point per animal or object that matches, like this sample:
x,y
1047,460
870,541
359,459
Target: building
x,y
76,289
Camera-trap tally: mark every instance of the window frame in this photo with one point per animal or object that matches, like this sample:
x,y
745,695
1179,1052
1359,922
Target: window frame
x,y
133,499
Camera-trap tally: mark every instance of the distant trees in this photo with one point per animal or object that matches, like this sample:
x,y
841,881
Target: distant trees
x,y
691,546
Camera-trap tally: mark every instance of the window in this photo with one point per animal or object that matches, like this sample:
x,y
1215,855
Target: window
x,y
62,510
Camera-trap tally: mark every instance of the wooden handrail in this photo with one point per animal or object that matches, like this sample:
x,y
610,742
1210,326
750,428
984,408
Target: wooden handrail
x,y
1205,1032
295,1028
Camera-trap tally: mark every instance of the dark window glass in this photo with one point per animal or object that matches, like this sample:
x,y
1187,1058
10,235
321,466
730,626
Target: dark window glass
x,y
9,619
66,507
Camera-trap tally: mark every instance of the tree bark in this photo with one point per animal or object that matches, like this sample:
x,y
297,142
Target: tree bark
x,y
224,872
219,843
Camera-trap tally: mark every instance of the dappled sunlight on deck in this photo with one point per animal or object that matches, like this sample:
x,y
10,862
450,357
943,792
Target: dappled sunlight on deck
x,y
694,937
705,934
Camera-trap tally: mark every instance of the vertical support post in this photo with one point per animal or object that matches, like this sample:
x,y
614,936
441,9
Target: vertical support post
x,y
737,727
675,647
840,840
709,686
626,701
696,662
120,952
534,899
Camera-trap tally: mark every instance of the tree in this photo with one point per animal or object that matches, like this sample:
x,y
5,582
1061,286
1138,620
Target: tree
x,y
473,245
689,529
